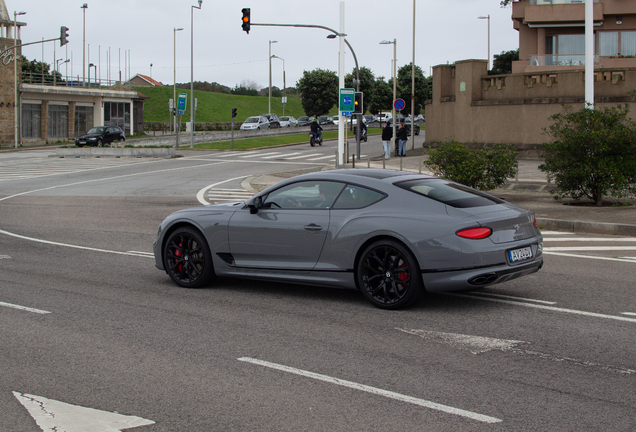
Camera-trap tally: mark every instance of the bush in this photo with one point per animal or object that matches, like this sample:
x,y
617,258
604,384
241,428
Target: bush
x,y
482,169
593,153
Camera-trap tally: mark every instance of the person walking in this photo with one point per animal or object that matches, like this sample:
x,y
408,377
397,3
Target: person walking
x,y
387,134
401,135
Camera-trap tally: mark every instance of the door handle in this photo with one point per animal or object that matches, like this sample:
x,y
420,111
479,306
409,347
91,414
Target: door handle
x,y
313,227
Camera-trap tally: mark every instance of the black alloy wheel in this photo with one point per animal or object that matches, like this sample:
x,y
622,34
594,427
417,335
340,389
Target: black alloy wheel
x,y
389,276
187,258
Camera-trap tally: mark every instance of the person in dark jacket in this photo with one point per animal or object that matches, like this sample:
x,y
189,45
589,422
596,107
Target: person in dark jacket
x,y
387,134
316,129
402,135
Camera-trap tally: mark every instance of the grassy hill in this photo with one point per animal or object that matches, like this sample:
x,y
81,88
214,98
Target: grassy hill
x,y
214,107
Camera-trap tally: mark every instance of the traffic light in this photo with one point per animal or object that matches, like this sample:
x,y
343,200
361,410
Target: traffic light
x,y
358,109
63,35
233,112
246,20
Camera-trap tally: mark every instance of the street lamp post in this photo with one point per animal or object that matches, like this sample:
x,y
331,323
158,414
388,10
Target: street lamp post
x,y
174,85
91,65
192,72
487,18
84,7
269,106
284,86
57,69
15,72
386,42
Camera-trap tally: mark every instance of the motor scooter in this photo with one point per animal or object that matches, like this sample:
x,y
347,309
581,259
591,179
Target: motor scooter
x,y
313,139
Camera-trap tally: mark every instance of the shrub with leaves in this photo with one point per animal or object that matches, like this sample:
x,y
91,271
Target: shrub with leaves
x,y
593,153
482,169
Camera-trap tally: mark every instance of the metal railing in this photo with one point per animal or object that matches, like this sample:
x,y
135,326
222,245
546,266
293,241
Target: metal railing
x,y
59,80
560,60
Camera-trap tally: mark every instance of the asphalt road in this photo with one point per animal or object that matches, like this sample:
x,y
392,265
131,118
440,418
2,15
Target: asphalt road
x,y
86,320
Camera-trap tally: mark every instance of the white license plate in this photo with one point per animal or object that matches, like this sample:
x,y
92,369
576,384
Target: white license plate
x,y
82,142
520,254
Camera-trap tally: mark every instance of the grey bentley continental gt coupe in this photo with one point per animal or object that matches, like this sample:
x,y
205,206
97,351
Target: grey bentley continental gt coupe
x,y
391,234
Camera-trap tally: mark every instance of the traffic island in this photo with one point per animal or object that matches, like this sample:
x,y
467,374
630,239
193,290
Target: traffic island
x,y
154,152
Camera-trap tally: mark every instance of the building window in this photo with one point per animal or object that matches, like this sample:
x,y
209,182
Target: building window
x,y
58,121
31,120
615,43
83,120
565,50
117,114
628,43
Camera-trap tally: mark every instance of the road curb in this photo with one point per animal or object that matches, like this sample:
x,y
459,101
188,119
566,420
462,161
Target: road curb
x,y
587,227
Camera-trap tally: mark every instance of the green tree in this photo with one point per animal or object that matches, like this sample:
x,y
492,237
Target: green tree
x,y
503,62
367,85
404,83
593,153
319,91
37,72
244,91
483,169
382,97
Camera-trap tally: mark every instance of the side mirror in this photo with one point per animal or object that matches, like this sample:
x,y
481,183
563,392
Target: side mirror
x,y
255,204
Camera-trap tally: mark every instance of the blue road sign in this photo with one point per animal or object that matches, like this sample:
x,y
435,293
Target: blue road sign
x,y
399,104
347,113
181,104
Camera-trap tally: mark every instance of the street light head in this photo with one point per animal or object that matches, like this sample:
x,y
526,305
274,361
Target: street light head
x,y
482,17
178,29
332,36
84,6
20,13
200,1
91,65
273,41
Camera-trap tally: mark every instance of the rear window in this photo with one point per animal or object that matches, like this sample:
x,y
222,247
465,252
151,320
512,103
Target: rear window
x,y
452,194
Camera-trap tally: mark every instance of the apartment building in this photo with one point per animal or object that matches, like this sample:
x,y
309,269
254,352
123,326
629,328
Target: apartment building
x,y
480,109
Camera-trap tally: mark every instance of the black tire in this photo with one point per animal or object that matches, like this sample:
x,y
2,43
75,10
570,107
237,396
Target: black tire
x,y
187,258
388,275
312,141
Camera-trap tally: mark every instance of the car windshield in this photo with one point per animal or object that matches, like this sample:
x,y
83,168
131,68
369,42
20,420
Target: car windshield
x,y
303,118
251,120
283,118
96,130
453,194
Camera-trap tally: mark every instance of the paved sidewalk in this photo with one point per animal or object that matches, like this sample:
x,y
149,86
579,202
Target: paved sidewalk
x,y
530,190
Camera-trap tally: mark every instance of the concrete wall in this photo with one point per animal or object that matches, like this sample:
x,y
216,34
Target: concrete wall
x,y
476,108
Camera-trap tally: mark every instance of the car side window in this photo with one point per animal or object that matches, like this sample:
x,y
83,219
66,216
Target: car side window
x,y
304,195
356,197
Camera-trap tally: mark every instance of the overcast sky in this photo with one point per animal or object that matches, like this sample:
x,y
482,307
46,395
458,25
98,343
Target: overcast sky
x,y
446,31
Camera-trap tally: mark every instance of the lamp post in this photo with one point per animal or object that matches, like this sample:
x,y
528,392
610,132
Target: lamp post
x,y
91,65
487,18
269,106
57,69
192,72
15,73
386,42
284,86
174,85
84,7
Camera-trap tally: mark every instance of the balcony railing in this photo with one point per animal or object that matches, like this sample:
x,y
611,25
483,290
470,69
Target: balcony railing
x,y
61,81
555,2
560,60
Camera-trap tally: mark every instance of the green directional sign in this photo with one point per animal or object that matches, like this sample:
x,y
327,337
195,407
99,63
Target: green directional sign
x,y
347,99
181,102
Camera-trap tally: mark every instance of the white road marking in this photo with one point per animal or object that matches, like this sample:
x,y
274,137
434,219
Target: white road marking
x,y
480,344
24,308
588,248
588,256
259,154
628,258
550,308
142,253
70,245
592,239
5,257
284,155
629,313
322,157
512,297
52,415
374,390
201,193
545,233
302,156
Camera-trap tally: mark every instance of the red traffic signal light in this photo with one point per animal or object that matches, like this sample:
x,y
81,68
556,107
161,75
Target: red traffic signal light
x,y
246,20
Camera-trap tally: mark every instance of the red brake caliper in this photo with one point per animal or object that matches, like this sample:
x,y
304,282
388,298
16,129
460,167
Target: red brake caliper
x,y
403,275
178,253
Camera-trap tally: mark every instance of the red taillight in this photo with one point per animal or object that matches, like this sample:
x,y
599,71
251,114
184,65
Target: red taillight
x,y
534,222
475,233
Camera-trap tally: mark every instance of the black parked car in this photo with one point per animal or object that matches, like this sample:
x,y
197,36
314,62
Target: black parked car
x,y
274,122
305,121
325,120
100,135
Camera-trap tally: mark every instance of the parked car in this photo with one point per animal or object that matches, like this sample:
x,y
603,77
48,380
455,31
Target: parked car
x,y
288,121
304,120
325,120
369,119
391,234
255,122
383,117
100,135
274,122
407,124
